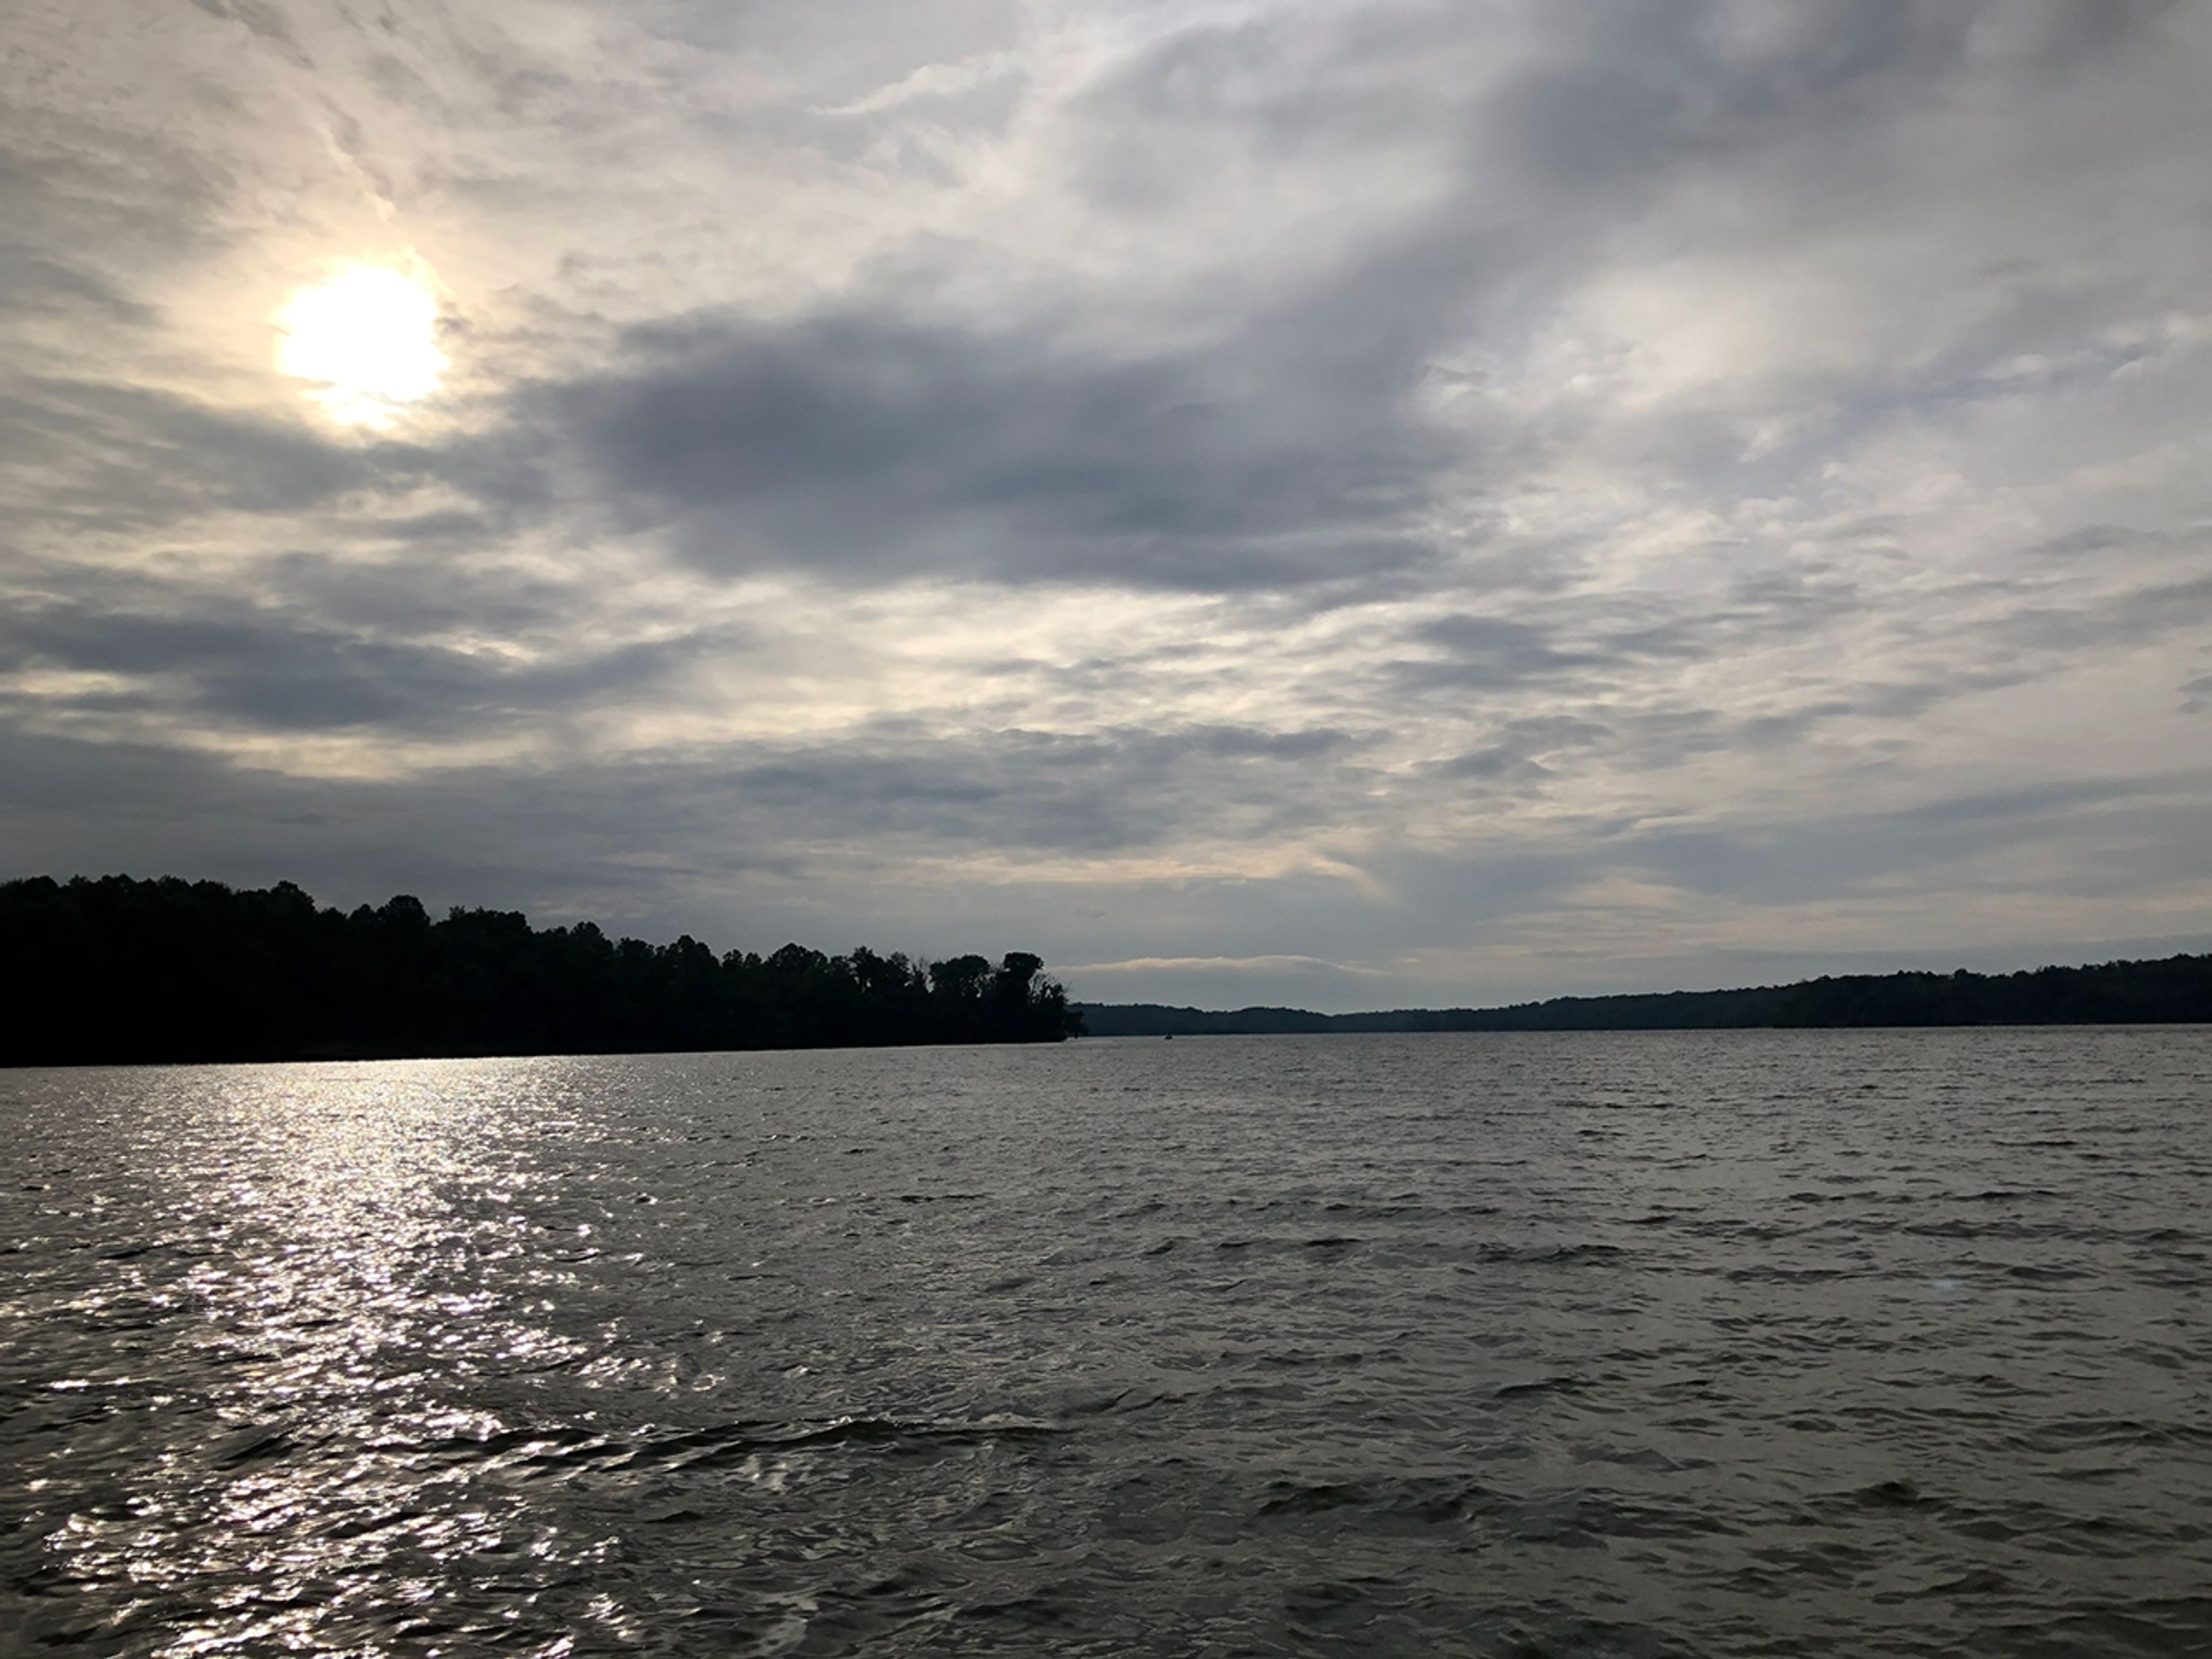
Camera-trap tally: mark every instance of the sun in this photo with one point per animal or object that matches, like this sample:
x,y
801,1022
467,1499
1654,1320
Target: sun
x,y
368,337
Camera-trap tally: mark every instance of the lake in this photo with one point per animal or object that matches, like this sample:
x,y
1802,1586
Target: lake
x,y
1685,1343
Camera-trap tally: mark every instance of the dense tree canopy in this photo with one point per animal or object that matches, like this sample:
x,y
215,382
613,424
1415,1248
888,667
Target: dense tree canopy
x,y
117,969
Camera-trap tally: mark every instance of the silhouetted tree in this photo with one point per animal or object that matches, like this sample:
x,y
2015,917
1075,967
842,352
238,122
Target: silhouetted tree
x,y
118,969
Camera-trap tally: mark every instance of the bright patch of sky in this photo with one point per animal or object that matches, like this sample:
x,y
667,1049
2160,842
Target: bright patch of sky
x,y
367,340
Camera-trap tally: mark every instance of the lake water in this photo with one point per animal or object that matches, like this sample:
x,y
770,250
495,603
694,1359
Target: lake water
x,y
1609,1344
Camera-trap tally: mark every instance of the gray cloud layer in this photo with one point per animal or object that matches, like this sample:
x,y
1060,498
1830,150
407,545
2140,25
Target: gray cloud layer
x,y
1355,503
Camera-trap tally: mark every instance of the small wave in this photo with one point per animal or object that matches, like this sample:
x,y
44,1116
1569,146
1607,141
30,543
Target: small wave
x,y
1540,1385
557,1450
255,1446
1551,1255
1890,1495
1422,1500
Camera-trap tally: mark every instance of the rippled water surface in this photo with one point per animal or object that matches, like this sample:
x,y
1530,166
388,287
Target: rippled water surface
x,y
1748,1343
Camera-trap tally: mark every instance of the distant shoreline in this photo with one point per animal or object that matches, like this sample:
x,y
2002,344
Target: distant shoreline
x,y
2169,991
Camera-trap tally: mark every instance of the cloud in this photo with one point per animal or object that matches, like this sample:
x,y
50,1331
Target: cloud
x,y
1214,982
876,445
1420,499
934,81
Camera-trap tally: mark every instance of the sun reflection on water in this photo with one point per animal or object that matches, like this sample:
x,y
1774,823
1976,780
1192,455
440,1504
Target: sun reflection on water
x,y
333,1226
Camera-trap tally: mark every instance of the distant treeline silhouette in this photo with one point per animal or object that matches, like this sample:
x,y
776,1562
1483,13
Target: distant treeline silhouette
x,y
116,970
2175,991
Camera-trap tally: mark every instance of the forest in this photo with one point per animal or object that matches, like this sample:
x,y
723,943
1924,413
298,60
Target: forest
x,y
117,970
2172,991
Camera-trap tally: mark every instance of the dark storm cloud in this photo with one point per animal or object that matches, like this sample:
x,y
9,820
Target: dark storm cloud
x,y
880,438
764,833
138,456
33,284
1487,653
800,814
1640,85
1849,852
1511,755
433,589
880,445
275,671
1982,840
91,206
1111,792
2130,617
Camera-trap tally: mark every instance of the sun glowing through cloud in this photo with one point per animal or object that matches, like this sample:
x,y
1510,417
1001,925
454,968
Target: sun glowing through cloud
x,y
368,336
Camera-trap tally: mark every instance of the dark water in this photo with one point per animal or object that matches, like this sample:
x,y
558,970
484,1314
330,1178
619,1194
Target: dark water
x,y
1865,1343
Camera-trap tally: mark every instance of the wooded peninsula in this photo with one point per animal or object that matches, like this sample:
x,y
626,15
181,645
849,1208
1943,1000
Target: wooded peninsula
x,y
116,971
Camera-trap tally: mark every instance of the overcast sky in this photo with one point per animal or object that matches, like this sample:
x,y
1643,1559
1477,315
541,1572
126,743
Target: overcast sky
x,y
1343,504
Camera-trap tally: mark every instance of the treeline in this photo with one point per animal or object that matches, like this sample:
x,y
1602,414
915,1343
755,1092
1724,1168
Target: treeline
x,y
118,970
2175,991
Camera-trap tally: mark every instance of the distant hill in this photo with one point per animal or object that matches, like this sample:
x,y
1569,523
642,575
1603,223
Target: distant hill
x,y
2175,991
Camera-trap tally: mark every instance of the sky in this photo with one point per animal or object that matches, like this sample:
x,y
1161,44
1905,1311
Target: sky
x,y
1353,505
